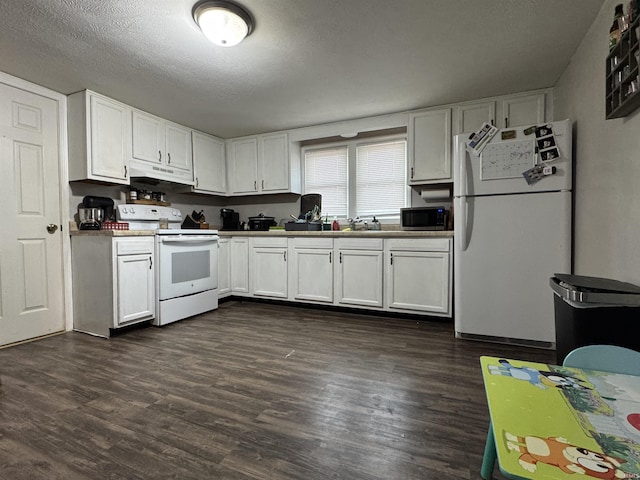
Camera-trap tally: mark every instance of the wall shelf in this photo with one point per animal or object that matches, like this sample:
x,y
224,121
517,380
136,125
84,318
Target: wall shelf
x,y
622,81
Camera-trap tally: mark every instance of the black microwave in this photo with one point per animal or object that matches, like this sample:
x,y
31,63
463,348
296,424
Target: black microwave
x,y
424,218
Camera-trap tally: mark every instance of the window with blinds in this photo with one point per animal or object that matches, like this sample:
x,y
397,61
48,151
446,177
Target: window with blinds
x,y
359,178
381,178
325,172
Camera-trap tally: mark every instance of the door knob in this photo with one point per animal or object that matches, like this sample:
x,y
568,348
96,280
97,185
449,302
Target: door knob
x,y
52,227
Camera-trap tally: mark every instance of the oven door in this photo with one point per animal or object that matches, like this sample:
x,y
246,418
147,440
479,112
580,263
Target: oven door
x,y
187,264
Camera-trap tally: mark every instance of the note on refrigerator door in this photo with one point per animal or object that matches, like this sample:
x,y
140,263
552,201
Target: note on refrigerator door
x,y
478,140
507,159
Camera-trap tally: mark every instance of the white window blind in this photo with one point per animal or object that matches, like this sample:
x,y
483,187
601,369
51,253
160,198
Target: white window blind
x,y
325,172
381,178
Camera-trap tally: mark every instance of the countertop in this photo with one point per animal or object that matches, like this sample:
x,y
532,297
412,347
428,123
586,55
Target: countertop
x,y
341,233
388,233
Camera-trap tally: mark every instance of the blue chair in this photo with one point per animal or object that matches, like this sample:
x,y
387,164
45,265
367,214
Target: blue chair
x,y
606,358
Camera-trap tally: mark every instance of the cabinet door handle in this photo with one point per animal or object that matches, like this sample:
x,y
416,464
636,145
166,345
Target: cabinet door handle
x,y
506,122
492,122
285,255
150,263
125,171
340,257
159,156
330,256
411,172
391,257
196,182
255,185
168,158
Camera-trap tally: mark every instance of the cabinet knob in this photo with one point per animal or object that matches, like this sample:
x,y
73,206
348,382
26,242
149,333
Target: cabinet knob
x,y
506,122
196,182
330,253
255,185
168,158
285,255
411,172
159,156
391,258
262,184
125,171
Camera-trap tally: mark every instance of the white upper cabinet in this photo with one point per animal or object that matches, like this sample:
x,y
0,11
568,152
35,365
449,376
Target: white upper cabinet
x,y
274,163
209,165
503,112
429,146
161,149
523,110
471,116
261,164
243,166
99,138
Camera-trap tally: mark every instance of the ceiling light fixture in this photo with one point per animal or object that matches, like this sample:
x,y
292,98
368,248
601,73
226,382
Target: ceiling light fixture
x,y
222,22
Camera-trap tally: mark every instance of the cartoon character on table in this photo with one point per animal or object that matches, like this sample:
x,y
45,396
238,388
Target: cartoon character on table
x,y
558,452
537,378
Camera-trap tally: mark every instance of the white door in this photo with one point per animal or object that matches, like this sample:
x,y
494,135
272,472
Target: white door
x,y
31,271
239,270
269,272
359,279
110,147
209,164
244,166
148,138
224,267
505,253
313,274
274,163
135,288
418,281
178,140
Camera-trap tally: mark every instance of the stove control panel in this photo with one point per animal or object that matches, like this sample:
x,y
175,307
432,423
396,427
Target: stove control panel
x,y
148,213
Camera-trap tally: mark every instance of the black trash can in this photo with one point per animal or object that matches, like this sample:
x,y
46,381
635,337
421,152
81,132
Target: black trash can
x,y
594,310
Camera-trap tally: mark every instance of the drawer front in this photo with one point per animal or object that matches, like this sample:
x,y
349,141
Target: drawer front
x,y
359,243
269,242
312,242
419,244
133,246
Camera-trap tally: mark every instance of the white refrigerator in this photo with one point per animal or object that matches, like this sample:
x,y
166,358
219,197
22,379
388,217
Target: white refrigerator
x,y
512,232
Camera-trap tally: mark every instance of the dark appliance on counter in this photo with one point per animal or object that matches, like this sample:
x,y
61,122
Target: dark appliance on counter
x,y
424,218
230,219
93,211
261,223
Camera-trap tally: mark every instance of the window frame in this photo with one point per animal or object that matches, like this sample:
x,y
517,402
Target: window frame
x,y
352,145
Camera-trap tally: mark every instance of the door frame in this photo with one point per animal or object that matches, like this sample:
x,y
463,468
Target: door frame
x,y
63,173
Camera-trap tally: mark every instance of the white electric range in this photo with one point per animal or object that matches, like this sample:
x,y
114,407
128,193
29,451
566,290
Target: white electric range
x,y
186,262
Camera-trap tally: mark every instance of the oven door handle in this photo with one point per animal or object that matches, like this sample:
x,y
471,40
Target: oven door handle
x,y
191,240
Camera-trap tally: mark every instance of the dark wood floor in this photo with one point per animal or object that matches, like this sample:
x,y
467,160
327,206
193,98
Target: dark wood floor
x,y
251,391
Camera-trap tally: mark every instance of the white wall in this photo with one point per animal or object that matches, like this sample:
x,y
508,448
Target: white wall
x,y
607,152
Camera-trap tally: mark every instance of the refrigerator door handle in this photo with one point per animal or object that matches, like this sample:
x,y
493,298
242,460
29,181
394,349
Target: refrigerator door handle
x,y
462,158
464,214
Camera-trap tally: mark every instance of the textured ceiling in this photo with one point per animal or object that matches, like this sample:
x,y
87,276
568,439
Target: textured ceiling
x,y
307,62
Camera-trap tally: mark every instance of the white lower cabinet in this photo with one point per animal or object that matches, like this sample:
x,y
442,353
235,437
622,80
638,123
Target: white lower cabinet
x,y
311,269
268,267
404,275
358,272
113,282
224,268
239,265
417,277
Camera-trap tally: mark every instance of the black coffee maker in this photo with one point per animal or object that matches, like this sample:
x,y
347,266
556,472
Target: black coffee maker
x,y
230,219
